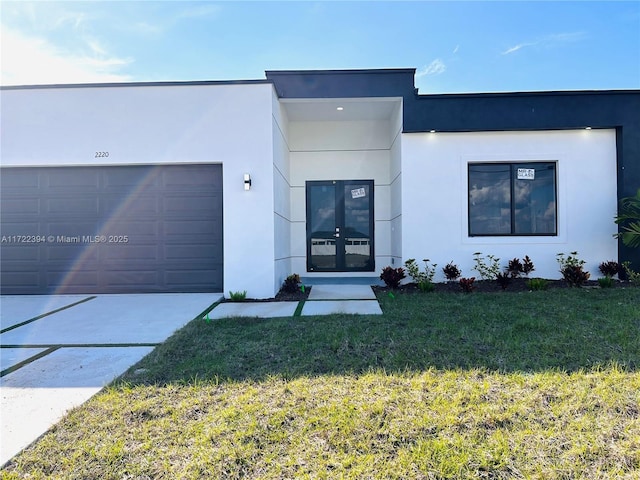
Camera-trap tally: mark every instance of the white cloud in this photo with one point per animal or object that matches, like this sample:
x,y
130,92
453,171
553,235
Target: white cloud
x,y
201,11
434,68
547,41
517,47
35,61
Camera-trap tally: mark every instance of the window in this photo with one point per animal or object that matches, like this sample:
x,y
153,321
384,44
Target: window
x,y
512,198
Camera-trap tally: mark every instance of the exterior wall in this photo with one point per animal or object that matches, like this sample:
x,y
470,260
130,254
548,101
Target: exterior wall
x,y
340,151
222,123
395,178
282,195
434,197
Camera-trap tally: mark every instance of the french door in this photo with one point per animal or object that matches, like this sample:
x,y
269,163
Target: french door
x,y
340,226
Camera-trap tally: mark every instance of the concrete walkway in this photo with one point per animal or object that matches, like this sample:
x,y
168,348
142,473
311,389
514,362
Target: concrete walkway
x,y
323,300
58,351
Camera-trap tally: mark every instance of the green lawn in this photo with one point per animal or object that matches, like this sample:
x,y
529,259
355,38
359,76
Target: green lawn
x,y
487,385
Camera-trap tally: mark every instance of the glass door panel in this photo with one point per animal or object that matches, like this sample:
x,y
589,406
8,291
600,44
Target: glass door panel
x,y
357,225
321,226
340,226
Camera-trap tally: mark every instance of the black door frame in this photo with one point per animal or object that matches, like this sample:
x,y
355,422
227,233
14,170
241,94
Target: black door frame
x,y
340,221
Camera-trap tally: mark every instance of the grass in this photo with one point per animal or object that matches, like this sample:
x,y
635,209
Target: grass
x,y
521,385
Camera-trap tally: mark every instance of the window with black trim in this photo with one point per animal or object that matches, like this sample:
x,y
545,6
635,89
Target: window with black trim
x,y
512,198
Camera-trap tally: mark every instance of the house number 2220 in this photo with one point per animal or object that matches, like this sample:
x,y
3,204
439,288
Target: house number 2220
x,y
101,155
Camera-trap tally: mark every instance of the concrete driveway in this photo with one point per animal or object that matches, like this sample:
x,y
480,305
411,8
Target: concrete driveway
x,y
58,351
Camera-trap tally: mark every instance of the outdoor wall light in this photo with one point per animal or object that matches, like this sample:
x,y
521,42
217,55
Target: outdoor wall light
x,y
247,181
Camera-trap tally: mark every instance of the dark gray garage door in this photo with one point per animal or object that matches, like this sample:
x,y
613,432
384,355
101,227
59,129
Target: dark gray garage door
x,y
111,229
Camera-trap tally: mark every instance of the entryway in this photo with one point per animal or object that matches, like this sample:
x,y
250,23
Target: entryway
x,y
340,221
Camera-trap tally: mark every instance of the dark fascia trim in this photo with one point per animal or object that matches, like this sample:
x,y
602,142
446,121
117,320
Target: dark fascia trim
x,y
540,93
338,72
189,83
516,129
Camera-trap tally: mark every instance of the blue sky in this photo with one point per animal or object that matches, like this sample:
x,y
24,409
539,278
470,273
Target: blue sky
x,y
479,46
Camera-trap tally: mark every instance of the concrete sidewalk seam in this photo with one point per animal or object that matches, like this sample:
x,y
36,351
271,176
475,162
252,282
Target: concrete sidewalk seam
x,y
31,320
29,360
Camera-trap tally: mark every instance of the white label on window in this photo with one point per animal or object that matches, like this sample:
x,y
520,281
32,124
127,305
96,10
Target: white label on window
x,y
358,193
526,174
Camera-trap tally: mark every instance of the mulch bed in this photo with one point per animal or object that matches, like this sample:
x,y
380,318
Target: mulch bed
x,y
281,296
515,285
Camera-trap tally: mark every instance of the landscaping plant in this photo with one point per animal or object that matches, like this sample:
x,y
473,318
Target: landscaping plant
x,y
517,267
572,269
423,279
392,276
466,284
291,283
451,271
504,279
629,220
238,296
610,268
633,277
537,284
488,270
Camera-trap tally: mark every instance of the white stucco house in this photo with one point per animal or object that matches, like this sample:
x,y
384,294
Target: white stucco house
x,y
231,186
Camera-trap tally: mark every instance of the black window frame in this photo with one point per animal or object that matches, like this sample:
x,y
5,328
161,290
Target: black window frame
x,y
514,165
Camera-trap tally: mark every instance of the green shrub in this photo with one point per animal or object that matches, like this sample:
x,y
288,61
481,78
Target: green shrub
x,y
572,269
424,279
237,296
426,286
537,284
487,270
606,282
633,277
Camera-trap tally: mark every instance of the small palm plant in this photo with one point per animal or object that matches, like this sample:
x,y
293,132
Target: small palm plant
x,y
629,220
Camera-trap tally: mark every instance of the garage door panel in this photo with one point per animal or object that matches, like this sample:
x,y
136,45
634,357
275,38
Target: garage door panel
x,y
21,252
82,179
66,281
122,252
190,205
171,217
71,252
67,232
212,227
69,206
18,280
192,278
130,205
191,177
127,177
20,205
192,252
12,227
127,280
20,182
